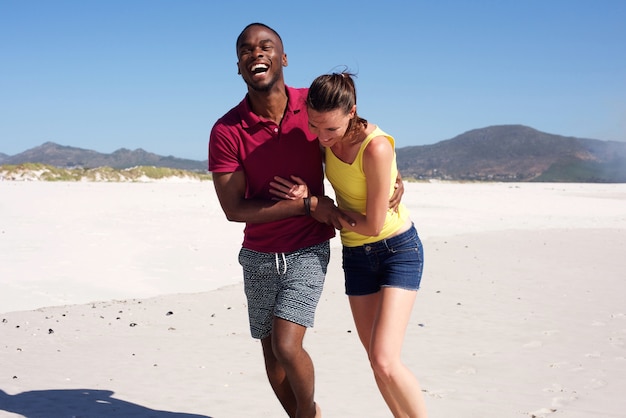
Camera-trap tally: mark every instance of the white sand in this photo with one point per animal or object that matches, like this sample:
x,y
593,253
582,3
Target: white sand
x,y
125,300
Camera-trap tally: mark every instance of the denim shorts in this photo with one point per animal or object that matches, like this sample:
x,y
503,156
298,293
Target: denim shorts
x,y
283,285
393,262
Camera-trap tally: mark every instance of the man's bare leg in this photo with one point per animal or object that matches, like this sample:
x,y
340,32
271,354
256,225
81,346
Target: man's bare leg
x,y
287,338
278,378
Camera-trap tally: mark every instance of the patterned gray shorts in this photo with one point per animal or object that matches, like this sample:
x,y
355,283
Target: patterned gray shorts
x,y
285,285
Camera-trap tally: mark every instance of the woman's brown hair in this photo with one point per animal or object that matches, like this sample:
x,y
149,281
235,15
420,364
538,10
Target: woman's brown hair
x,y
334,91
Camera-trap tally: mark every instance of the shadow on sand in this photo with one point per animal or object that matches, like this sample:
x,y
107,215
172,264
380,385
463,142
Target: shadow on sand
x,y
79,403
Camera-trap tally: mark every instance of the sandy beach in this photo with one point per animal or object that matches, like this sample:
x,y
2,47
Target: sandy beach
x,y
125,300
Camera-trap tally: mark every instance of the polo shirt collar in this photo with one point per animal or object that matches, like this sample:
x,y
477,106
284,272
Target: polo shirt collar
x,y
249,118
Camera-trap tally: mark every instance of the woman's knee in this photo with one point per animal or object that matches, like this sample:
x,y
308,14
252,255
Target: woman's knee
x,y
384,366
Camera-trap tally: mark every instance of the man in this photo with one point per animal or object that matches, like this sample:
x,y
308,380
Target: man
x,y
285,252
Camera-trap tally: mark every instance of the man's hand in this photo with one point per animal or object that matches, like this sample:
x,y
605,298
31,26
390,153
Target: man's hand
x,y
398,191
323,210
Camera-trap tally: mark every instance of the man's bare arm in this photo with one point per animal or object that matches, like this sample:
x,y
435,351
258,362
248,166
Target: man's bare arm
x,y
398,191
322,208
231,192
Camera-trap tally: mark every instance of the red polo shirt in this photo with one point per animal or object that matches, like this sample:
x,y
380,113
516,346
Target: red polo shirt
x,y
240,140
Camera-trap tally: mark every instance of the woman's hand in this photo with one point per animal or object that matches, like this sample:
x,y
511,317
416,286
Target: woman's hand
x,y
292,190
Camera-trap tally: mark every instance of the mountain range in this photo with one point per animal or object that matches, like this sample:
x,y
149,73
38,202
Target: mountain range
x,y
494,153
516,153
71,157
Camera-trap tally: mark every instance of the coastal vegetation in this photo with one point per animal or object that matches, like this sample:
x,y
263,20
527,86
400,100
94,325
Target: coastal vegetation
x,y
45,172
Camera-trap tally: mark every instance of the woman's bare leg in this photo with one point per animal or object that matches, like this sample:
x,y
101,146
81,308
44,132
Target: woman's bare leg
x,y
381,321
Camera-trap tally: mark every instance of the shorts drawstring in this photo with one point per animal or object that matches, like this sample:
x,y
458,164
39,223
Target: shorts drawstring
x,y
284,264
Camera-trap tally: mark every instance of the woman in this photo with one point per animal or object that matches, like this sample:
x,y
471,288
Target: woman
x,y
382,252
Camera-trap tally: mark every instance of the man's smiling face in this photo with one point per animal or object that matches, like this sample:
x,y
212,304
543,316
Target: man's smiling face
x,y
260,58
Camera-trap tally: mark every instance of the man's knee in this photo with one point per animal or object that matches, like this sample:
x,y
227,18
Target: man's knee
x,y
287,350
287,340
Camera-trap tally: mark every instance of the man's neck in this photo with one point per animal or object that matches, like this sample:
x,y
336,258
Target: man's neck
x,y
269,104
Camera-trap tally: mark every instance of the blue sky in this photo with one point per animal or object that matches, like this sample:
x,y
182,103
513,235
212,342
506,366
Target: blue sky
x,y
156,74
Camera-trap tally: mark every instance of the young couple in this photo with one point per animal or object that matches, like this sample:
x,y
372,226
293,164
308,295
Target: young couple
x,y
267,156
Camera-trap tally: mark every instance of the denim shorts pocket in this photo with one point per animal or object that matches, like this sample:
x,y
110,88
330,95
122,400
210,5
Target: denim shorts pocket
x,y
406,242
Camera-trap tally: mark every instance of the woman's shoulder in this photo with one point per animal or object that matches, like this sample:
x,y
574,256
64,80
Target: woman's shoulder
x,y
378,144
371,128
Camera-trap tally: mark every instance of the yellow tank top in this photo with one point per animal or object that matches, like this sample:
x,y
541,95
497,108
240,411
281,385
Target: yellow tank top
x,y
348,181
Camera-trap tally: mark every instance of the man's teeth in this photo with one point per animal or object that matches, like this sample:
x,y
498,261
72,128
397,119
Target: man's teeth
x,y
258,68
